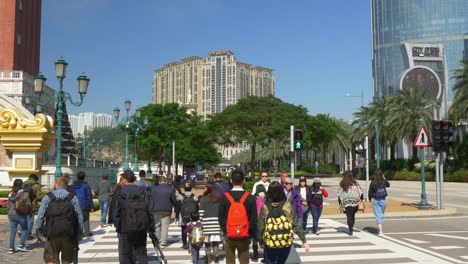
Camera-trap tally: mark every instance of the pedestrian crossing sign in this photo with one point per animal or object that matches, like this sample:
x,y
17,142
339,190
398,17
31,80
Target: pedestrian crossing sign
x,y
422,140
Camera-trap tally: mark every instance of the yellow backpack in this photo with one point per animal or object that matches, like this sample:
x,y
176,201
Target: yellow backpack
x,y
278,225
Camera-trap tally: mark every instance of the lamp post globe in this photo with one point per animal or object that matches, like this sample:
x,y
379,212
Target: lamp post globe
x,y
61,97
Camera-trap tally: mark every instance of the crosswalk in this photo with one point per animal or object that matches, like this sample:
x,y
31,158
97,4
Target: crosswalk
x,y
333,245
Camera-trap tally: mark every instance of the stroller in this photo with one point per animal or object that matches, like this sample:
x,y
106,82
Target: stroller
x,y
158,249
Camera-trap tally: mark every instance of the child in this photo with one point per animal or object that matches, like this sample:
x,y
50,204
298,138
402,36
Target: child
x,y
195,234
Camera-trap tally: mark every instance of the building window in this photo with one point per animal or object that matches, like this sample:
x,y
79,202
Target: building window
x,y
18,39
20,5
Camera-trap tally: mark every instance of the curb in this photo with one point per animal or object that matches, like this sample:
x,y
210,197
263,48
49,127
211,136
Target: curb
x,y
430,212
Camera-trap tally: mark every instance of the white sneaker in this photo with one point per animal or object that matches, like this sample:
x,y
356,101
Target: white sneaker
x,y
380,234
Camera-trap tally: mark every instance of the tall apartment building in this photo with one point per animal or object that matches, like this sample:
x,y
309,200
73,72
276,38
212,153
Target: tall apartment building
x,y
211,84
20,37
88,120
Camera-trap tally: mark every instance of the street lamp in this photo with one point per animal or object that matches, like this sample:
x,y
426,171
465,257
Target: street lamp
x,y
61,97
137,128
362,96
128,105
100,149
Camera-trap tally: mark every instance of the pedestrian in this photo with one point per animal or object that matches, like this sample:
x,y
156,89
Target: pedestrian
x,y
103,191
67,179
349,196
163,200
114,198
85,196
132,220
259,191
316,203
189,205
221,185
32,186
238,219
195,233
16,218
276,226
60,220
293,196
378,192
305,195
263,181
209,211
142,181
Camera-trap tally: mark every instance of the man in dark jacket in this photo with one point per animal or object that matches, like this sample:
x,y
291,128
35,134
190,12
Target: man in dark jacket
x,y
163,199
241,244
220,185
132,242
85,196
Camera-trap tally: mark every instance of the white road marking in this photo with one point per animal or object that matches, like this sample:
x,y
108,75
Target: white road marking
x,y
424,232
448,236
446,247
412,195
414,241
465,257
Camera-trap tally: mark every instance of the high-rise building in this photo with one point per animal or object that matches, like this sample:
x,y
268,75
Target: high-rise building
x,y
88,120
397,22
211,84
20,36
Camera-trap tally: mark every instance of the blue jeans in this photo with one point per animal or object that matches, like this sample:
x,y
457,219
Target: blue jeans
x,y
30,223
277,255
195,252
104,205
316,212
305,216
16,220
379,210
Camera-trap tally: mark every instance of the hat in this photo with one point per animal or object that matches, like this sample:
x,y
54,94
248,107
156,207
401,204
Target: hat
x,y
317,180
302,178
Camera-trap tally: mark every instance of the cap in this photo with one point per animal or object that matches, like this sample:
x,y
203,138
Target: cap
x,y
317,180
302,178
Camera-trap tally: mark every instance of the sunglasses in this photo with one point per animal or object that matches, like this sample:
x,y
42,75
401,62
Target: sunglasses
x,y
288,183
264,176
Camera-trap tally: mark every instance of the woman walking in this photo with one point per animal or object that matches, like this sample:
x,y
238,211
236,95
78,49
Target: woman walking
x,y
15,219
378,192
277,216
305,196
209,208
316,203
349,196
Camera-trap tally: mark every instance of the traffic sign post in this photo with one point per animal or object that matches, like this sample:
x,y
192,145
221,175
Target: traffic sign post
x,y
422,141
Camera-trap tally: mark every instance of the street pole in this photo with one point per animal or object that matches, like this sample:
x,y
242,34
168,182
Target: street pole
x,y
377,143
441,175
423,204
292,156
173,156
126,166
366,145
135,166
149,166
437,161
58,159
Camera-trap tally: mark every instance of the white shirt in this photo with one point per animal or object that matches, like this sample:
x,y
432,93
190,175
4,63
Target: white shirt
x,y
303,193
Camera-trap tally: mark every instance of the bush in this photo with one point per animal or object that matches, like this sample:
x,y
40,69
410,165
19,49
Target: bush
x,y
457,176
3,211
96,206
4,194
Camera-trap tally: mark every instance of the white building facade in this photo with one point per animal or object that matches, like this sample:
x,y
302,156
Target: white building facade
x,y
88,120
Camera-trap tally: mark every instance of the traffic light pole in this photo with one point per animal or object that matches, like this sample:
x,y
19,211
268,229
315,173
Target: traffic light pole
x,y
441,183
293,156
366,145
437,171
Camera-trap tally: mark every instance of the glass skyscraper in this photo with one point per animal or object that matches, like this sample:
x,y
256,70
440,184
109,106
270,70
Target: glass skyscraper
x,y
395,22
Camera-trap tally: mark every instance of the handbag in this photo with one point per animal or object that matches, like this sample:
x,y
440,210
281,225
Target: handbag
x,y
361,206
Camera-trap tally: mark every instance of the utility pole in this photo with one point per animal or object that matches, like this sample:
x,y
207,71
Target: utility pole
x,y
173,156
366,145
292,154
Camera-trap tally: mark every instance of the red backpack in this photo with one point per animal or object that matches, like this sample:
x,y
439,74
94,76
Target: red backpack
x,y
237,225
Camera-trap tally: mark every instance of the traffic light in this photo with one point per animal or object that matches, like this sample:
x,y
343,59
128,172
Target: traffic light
x,y
437,143
298,139
447,134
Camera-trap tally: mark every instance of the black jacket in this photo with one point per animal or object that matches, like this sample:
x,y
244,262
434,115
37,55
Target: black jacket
x,y
250,207
163,198
373,189
116,216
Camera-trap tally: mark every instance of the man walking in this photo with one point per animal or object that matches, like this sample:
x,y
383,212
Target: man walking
x,y
132,219
103,192
63,224
33,187
85,196
162,201
142,181
221,186
238,220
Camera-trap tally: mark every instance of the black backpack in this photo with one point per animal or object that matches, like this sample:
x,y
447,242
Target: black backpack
x,y
135,214
61,218
188,206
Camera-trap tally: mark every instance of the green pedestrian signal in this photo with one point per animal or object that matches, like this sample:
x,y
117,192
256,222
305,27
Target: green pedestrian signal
x,y
298,139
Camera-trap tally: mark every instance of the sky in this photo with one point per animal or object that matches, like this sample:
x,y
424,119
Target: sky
x,y
320,50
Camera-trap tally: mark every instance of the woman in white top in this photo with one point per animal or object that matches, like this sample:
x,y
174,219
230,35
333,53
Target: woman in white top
x,y
349,195
263,181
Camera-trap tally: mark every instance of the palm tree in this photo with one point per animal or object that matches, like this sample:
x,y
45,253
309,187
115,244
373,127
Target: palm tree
x,y
459,108
406,110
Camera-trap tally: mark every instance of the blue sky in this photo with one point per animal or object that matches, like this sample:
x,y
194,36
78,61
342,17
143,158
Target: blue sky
x,y
320,50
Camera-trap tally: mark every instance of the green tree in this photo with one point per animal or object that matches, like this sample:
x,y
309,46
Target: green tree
x,y
257,121
112,146
459,108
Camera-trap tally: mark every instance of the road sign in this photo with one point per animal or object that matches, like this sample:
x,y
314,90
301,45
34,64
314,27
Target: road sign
x,y
422,140
316,164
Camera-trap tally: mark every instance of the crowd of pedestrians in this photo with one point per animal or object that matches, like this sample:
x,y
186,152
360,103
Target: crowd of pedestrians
x,y
225,216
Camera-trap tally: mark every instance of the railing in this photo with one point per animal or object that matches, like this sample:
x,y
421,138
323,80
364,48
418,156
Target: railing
x,y
79,162
11,75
